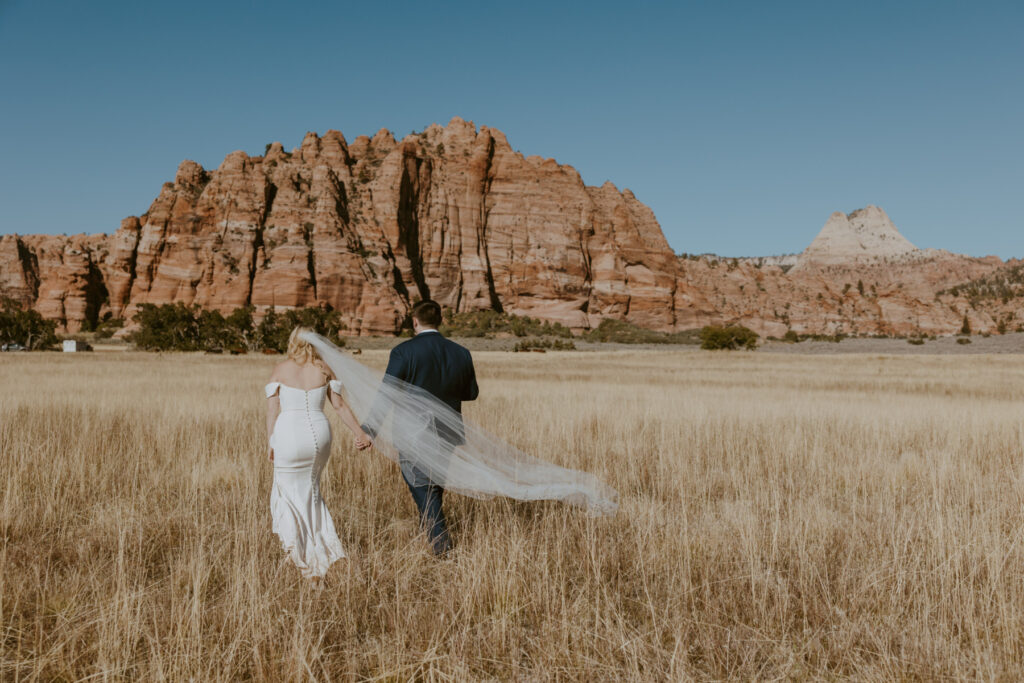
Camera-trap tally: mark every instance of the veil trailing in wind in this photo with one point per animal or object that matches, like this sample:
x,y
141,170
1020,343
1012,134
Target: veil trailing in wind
x,y
440,447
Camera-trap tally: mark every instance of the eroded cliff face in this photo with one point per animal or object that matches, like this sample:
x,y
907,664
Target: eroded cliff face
x,y
902,297
859,276
455,214
452,213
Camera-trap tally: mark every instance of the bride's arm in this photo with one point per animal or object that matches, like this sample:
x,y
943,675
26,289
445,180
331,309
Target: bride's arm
x,y
273,410
349,418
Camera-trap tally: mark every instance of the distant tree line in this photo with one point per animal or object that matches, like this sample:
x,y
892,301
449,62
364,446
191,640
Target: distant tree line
x,y
25,327
177,327
489,323
622,332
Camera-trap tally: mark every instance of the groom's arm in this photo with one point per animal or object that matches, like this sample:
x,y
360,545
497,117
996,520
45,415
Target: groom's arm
x,y
397,369
471,389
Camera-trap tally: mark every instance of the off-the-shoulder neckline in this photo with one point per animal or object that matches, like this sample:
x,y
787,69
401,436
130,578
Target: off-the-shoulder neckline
x,y
306,391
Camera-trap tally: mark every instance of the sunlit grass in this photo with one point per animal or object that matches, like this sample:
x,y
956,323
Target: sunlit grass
x,y
781,516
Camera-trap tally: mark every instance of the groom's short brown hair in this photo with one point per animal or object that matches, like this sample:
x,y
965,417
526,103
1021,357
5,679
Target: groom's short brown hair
x,y
427,312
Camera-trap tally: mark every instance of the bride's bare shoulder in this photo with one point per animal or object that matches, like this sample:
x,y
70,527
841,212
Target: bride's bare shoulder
x,y
283,370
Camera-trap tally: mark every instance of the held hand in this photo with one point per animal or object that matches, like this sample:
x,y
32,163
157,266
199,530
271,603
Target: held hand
x,y
363,442
270,454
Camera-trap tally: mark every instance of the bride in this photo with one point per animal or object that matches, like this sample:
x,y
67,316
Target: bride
x,y
299,444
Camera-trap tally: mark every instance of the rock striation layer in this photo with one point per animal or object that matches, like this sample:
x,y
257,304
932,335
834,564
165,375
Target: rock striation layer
x,y
859,276
900,297
452,213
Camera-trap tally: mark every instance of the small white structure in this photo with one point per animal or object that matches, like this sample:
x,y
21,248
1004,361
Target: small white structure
x,y
72,346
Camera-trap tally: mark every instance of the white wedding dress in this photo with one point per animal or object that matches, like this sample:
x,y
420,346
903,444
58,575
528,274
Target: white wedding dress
x,y
302,444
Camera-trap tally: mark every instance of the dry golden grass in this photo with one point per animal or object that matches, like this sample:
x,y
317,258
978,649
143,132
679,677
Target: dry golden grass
x,y
780,517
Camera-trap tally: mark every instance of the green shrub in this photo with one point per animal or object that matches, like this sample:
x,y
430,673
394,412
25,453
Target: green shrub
x,y
622,332
916,341
272,332
833,338
715,337
108,326
25,326
166,327
963,340
791,336
552,344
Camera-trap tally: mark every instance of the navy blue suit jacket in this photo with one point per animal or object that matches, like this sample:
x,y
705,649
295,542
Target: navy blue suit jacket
x,y
439,366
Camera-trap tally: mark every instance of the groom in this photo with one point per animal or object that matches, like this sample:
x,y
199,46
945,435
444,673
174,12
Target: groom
x,y
444,369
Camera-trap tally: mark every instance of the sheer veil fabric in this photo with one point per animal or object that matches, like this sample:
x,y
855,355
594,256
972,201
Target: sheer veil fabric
x,y
449,451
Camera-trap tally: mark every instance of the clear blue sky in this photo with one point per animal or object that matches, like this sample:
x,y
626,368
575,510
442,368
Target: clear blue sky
x,y
742,124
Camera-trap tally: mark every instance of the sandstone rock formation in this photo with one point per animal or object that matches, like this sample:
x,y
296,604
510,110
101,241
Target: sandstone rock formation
x,y
863,236
900,297
452,213
860,276
455,214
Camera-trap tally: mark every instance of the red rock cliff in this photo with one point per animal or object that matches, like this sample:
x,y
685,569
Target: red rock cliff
x,y
452,213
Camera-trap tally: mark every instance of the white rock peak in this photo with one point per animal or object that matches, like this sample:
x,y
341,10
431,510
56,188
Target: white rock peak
x,y
865,235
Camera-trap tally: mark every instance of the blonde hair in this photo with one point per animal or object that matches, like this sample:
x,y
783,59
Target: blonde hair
x,y
300,350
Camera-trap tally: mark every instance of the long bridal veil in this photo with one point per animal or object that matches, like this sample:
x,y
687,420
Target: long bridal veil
x,y
436,444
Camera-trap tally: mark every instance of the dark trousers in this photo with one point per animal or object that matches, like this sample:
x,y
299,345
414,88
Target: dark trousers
x,y
428,501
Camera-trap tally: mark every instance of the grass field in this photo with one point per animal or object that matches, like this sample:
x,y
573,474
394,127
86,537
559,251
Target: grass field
x,y
781,517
